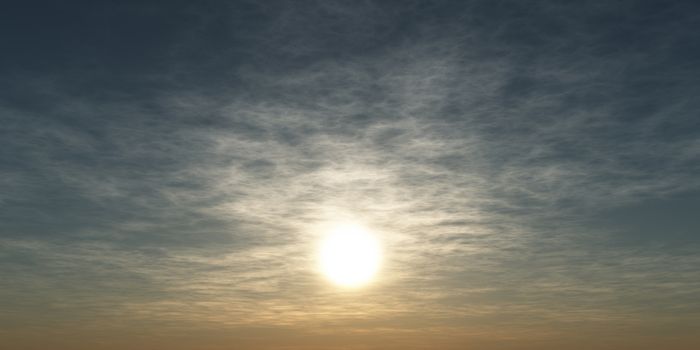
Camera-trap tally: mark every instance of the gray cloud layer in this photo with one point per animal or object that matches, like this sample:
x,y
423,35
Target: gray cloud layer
x,y
482,142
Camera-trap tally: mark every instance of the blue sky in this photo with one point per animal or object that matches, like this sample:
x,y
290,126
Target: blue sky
x,y
531,167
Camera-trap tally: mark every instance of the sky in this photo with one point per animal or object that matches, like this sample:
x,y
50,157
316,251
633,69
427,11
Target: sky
x,y
531,169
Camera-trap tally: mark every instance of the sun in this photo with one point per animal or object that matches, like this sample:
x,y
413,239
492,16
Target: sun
x,y
349,255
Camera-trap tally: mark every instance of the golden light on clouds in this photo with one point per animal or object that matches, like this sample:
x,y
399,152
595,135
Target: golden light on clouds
x,y
349,255
350,175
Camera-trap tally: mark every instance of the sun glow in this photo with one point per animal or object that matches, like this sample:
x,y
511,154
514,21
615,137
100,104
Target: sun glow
x,y
350,255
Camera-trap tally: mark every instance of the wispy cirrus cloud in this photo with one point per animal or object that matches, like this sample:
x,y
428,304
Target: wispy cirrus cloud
x,y
480,151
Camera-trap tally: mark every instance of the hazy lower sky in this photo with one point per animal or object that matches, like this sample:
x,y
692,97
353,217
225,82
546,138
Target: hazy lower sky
x,y
531,169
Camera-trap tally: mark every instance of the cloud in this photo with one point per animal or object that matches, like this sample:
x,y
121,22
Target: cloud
x,y
477,149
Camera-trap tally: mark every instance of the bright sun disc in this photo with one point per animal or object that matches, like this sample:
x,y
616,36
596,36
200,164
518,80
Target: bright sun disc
x,y
349,256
